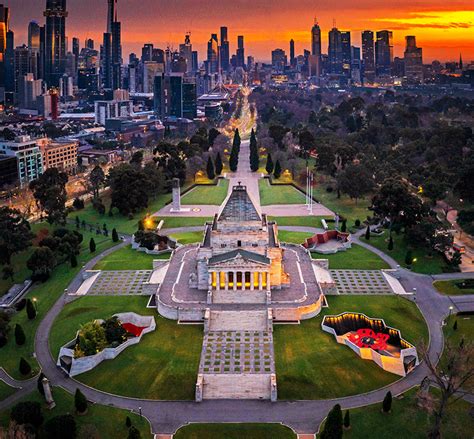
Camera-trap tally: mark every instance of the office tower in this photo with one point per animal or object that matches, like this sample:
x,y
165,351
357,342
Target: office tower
x,y
186,51
29,89
316,39
212,54
413,57
195,62
34,36
106,61
225,50
111,56
240,55
174,97
76,49
4,28
10,63
383,52
398,67
90,44
110,14
116,55
88,80
335,51
346,53
147,52
292,53
279,60
250,62
356,65
150,70
368,55
55,41
21,63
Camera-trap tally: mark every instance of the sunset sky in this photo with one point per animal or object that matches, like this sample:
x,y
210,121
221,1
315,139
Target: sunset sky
x,y
444,28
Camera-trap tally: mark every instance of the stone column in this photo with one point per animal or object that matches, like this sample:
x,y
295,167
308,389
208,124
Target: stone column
x,y
226,280
218,280
48,396
235,280
210,280
260,280
252,280
243,280
176,195
268,282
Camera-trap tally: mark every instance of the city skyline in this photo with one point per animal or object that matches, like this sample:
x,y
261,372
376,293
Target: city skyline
x,y
444,31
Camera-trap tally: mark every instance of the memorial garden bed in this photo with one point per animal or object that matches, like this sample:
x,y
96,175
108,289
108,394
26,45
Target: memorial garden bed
x,y
310,365
162,366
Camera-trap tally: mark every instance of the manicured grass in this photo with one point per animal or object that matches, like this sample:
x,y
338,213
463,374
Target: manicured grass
x,y
108,422
302,221
122,223
175,222
163,365
46,294
278,194
450,287
355,258
209,194
126,258
423,264
6,390
293,237
188,237
310,364
234,431
408,420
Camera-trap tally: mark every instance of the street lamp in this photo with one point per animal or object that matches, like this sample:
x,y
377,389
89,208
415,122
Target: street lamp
x,y
450,311
140,411
35,302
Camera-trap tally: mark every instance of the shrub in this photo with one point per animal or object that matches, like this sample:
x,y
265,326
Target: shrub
x,y
455,326
114,331
333,428
387,403
357,222
78,203
91,338
344,226
115,236
134,433
347,420
20,305
390,243
329,189
409,258
30,309
3,340
27,412
73,261
24,367
92,246
80,402
367,233
19,335
60,427
128,422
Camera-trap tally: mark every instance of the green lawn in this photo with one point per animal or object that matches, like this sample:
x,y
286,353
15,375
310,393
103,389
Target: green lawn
x,y
163,365
302,221
356,258
208,194
408,420
278,194
6,390
450,287
108,422
234,431
293,237
425,264
310,364
177,221
126,258
188,237
46,294
121,223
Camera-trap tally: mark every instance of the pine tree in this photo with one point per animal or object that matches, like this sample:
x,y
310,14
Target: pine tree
x,y
80,402
367,233
24,367
128,422
19,335
134,433
73,261
30,310
92,246
409,258
390,243
333,428
344,226
218,164
115,237
237,141
210,169
78,223
277,170
347,420
269,166
387,403
455,326
234,159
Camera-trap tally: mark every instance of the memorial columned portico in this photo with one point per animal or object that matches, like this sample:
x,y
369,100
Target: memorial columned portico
x,y
238,280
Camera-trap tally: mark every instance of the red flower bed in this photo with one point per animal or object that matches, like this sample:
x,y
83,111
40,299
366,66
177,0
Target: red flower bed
x,y
367,338
136,331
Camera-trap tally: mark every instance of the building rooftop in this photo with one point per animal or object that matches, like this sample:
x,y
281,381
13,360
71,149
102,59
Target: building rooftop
x,y
239,206
245,254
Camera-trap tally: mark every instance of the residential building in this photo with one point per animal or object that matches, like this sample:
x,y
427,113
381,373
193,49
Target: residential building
x,y
60,155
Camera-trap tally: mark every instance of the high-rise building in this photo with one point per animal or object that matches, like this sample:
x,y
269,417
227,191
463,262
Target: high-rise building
x,y
212,54
413,57
106,61
76,48
89,44
240,52
116,55
34,36
10,64
292,53
110,14
316,39
225,50
55,41
29,89
186,52
21,63
174,96
335,51
346,49
368,55
4,28
147,52
279,60
383,52
195,61
356,65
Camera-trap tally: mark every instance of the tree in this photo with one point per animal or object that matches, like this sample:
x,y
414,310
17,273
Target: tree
x,y
456,259
210,169
4,328
80,402
355,181
409,258
455,326
15,234
78,203
49,190
218,164
41,262
237,141
96,181
128,422
8,272
254,157
269,166
19,335
92,246
333,428
344,226
60,427
137,159
451,375
390,243
171,161
115,236
91,338
277,170
24,367
387,403
367,233
30,310
234,159
27,412
73,261
134,433
347,420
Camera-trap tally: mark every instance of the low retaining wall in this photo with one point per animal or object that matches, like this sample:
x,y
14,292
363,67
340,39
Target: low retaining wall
x,y
84,364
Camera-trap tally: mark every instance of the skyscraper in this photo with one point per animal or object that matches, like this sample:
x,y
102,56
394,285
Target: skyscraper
x,y
116,54
4,28
186,51
346,53
292,53
279,60
55,41
212,54
383,52
34,36
112,50
240,51
335,51
110,14
316,39
368,55
10,64
225,49
76,48
413,57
